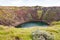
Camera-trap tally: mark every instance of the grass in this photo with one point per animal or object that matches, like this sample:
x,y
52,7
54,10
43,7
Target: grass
x,y
11,33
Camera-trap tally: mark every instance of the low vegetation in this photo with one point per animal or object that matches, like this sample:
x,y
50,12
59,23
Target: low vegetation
x,y
12,33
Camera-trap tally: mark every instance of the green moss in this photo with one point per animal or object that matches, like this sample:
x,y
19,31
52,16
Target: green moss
x,y
11,33
55,23
39,13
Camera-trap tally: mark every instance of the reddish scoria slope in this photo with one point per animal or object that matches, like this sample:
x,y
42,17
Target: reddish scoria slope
x,y
12,16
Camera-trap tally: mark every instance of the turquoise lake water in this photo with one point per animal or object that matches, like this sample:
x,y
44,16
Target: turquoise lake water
x,y
32,24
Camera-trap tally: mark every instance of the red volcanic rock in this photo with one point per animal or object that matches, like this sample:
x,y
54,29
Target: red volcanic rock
x,y
13,16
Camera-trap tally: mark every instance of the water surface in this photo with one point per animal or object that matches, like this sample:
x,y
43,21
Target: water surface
x,y
32,24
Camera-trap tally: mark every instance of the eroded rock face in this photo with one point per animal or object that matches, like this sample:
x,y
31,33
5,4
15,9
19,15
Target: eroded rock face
x,y
13,16
51,14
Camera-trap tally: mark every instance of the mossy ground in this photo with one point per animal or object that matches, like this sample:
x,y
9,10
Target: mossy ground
x,y
11,33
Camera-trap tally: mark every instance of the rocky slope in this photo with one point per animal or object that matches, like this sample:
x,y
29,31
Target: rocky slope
x,y
13,16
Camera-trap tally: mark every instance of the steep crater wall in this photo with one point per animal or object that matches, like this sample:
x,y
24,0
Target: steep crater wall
x,y
13,16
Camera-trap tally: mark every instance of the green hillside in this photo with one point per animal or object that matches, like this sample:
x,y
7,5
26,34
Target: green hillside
x,y
12,33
